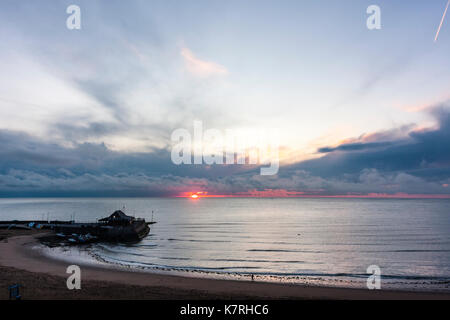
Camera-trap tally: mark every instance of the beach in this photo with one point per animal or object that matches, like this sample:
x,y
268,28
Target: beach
x,y
42,277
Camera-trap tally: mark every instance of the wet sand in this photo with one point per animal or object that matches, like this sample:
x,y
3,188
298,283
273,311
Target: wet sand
x,y
42,277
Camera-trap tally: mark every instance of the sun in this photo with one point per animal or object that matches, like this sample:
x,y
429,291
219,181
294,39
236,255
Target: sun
x,y
194,196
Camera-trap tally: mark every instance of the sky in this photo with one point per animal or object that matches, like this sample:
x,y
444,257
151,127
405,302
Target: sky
x,y
90,112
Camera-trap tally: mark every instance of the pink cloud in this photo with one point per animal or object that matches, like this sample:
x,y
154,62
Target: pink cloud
x,y
200,67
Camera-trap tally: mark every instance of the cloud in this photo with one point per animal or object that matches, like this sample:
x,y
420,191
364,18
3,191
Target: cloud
x,y
200,67
31,166
422,152
389,162
355,146
365,182
28,183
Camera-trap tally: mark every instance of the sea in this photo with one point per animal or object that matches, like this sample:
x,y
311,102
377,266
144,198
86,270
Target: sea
x,y
309,241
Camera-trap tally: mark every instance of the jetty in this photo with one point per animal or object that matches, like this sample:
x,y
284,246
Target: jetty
x,y
118,227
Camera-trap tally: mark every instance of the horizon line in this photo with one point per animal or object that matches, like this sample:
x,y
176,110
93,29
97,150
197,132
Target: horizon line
x,y
223,196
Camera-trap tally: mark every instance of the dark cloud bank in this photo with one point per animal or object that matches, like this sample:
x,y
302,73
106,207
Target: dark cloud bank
x,y
417,163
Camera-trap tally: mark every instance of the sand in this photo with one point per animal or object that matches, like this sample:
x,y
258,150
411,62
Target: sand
x,y
42,277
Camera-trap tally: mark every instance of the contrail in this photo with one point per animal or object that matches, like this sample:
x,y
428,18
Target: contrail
x,y
442,21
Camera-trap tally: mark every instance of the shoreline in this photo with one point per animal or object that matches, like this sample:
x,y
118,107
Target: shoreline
x,y
45,278
322,281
